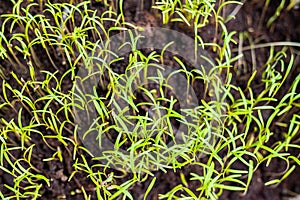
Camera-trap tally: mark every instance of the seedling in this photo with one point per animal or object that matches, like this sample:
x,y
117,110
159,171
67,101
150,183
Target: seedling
x,y
242,122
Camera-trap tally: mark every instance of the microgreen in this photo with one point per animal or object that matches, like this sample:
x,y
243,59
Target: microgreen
x,y
232,125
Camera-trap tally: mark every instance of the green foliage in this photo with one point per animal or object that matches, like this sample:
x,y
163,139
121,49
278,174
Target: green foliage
x,y
241,122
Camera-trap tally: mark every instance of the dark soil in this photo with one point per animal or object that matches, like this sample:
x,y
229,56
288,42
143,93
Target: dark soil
x,y
286,28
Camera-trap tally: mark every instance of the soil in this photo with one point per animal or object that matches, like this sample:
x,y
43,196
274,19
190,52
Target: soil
x,y
285,28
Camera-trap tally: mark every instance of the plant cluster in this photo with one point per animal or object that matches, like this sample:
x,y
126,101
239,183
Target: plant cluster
x,y
41,53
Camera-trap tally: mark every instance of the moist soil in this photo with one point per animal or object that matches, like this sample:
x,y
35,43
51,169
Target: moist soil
x,y
248,19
